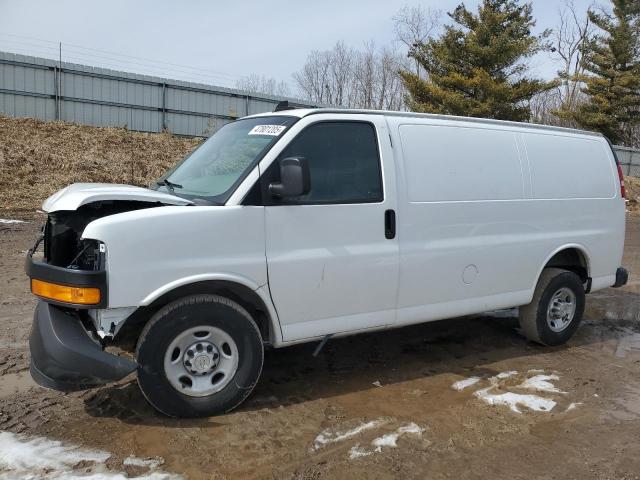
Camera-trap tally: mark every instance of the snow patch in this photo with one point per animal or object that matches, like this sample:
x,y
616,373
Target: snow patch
x,y
357,452
512,400
377,383
534,379
4,220
541,383
573,406
467,382
143,462
503,375
391,439
30,458
327,436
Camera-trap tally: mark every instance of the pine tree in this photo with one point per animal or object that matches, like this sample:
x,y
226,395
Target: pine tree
x,y
612,78
477,66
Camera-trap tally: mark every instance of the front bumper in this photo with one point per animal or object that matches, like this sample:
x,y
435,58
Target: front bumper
x,y
63,355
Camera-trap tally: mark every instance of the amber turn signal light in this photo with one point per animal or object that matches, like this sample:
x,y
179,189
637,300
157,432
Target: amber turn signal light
x,y
65,293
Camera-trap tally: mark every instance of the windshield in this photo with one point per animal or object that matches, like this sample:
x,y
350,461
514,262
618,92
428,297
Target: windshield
x,y
211,173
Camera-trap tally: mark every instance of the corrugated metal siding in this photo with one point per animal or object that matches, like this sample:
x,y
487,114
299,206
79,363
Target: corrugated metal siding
x,y
629,159
102,97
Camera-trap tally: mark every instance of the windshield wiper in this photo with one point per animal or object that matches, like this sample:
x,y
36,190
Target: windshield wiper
x,y
170,185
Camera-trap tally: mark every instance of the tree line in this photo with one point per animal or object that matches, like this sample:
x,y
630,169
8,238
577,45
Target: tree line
x,y
477,63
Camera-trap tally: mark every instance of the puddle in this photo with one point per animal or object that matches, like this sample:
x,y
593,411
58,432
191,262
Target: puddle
x,y
628,343
13,383
628,406
620,305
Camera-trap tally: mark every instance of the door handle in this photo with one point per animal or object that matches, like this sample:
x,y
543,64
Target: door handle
x,y
390,224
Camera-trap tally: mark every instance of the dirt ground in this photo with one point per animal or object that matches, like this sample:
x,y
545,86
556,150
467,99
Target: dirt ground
x,y
327,417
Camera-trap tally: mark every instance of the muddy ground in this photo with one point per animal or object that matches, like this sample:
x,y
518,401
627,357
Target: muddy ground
x,y
327,417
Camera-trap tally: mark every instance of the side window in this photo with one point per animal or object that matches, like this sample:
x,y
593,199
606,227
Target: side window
x,y
343,162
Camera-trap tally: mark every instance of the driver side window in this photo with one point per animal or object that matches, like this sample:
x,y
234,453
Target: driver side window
x,y
343,160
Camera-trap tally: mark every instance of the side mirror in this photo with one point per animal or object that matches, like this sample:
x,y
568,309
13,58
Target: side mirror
x,y
294,178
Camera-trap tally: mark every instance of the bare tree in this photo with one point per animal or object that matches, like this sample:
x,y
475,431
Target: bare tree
x,y
364,76
341,66
261,84
392,90
346,77
571,39
327,77
544,107
312,80
377,83
413,26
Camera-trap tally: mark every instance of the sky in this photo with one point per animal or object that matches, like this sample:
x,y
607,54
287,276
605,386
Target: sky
x,y
216,42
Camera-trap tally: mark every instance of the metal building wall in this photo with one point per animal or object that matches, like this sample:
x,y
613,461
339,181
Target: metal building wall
x,y
629,159
40,88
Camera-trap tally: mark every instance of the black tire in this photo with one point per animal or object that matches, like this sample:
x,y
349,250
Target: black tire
x,y
171,321
533,317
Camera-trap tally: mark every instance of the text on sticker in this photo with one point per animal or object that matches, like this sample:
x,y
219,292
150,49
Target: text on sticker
x,y
273,130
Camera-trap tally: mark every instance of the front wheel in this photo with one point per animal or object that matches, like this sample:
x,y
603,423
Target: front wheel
x,y
555,312
199,356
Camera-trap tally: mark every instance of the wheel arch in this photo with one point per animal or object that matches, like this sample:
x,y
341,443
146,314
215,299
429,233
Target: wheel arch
x,y
573,257
255,299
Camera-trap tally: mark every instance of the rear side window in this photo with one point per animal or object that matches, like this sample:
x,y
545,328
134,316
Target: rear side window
x,y
343,160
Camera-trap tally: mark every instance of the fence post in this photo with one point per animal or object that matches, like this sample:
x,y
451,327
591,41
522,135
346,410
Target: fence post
x,y
60,82
164,106
55,91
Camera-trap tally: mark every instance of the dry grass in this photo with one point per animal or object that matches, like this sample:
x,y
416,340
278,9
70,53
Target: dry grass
x,y
632,186
38,158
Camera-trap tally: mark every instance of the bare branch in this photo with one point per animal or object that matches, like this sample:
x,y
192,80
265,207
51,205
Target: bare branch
x,y
414,25
571,38
346,77
261,84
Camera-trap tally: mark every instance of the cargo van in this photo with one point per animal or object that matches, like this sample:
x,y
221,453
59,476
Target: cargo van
x,y
302,224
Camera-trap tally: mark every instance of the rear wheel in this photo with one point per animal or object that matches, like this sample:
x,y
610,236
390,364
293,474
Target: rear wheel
x,y
199,356
555,312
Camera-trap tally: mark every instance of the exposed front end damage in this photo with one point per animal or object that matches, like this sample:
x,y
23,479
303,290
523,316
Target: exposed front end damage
x,y
69,274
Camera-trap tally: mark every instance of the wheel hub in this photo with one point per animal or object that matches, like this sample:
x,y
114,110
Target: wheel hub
x,y
201,358
201,361
561,310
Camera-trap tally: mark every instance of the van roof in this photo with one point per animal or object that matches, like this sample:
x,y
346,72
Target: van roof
x,y
304,112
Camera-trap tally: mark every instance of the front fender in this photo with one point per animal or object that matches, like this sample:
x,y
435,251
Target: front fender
x,y
154,250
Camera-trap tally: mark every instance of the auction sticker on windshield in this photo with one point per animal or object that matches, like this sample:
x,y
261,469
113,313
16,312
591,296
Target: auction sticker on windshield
x,y
273,130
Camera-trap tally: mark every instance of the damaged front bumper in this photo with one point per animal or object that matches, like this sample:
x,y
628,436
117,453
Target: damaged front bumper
x,y
65,357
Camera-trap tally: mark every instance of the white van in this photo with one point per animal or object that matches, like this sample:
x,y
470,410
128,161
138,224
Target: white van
x,y
298,225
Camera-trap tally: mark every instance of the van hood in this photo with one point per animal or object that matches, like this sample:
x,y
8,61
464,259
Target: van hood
x,y
78,194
